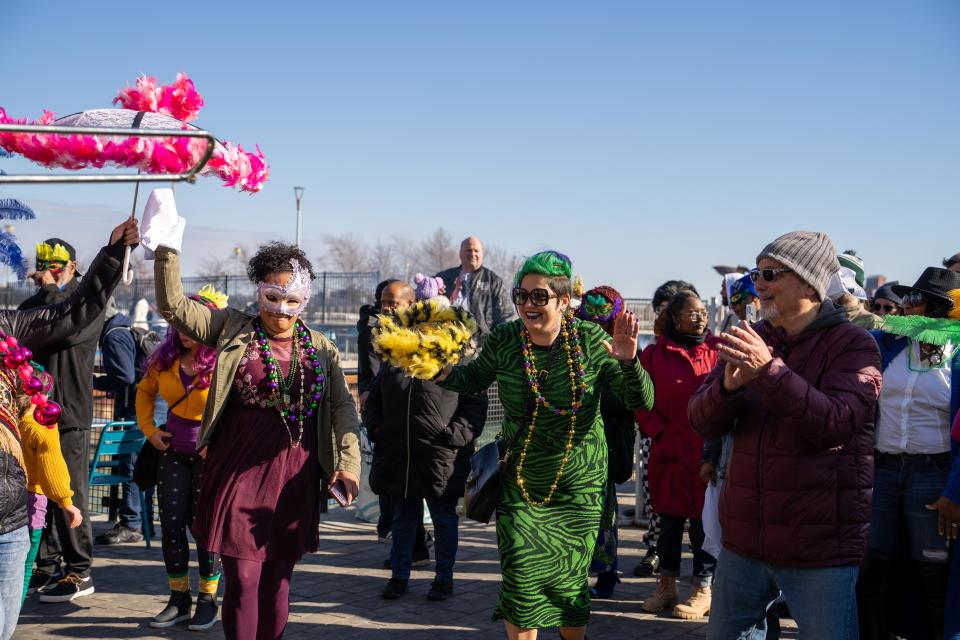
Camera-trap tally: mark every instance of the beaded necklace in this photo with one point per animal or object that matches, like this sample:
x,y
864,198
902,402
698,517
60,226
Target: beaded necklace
x,y
281,386
578,390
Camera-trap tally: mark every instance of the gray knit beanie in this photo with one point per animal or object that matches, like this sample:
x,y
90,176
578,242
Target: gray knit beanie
x,y
810,254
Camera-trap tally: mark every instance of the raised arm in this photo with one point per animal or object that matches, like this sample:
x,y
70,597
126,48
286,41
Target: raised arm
x,y
195,320
627,379
474,377
43,327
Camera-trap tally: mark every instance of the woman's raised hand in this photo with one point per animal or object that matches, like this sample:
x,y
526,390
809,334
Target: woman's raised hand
x,y
623,345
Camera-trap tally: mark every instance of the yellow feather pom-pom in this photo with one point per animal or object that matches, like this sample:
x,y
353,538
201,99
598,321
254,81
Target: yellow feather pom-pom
x,y
424,337
954,295
56,252
208,293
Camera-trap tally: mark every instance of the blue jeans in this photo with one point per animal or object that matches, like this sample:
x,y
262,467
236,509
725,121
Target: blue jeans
x,y
407,512
902,487
822,600
13,554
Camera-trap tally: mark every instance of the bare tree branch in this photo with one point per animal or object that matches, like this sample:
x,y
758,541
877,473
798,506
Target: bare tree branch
x,y
345,252
500,262
437,252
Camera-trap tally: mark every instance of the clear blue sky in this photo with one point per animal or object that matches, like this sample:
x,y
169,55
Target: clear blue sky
x,y
647,140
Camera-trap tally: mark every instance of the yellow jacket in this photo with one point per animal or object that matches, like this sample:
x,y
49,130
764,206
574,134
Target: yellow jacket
x,y
168,384
47,472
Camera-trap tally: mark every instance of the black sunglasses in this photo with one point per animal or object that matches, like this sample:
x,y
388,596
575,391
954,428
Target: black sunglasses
x,y
769,275
539,297
889,308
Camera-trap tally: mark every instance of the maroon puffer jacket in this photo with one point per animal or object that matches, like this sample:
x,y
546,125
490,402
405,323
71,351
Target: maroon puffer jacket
x,y
799,484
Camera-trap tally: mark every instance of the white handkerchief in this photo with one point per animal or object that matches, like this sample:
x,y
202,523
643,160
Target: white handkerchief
x,y
161,225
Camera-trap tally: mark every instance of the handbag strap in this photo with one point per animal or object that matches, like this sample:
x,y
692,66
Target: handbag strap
x,y
189,390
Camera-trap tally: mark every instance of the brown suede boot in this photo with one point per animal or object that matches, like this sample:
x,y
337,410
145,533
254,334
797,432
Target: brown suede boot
x,y
696,606
664,597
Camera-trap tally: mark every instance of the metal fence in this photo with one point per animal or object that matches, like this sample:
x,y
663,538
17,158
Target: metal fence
x,y
337,296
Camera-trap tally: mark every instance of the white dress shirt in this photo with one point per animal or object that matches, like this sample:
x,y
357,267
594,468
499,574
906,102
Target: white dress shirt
x,y
915,404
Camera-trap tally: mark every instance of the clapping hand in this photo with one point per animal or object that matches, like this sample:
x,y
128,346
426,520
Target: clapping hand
x,y
745,354
626,328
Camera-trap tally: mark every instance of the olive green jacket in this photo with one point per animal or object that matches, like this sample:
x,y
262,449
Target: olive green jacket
x,y
229,331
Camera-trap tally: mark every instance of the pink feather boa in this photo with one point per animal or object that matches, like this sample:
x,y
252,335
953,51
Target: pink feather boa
x,y
180,99
231,163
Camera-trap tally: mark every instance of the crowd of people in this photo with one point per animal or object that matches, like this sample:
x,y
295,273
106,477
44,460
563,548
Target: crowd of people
x,y
807,447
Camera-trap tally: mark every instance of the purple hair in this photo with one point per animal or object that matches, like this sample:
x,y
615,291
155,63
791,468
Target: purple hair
x,y
167,352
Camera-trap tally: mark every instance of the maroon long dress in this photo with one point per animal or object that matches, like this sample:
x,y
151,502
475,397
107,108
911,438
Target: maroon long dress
x,y
260,496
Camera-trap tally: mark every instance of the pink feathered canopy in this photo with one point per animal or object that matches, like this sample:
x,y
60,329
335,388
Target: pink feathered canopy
x,y
145,106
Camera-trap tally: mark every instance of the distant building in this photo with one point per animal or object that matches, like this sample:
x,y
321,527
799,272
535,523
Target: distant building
x,y
873,283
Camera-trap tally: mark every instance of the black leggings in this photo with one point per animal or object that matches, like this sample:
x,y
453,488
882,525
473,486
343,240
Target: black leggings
x,y
178,486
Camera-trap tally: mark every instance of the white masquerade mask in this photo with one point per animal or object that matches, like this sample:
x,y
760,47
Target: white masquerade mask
x,y
289,300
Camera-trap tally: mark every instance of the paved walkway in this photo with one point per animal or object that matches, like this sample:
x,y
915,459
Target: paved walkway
x,y
336,593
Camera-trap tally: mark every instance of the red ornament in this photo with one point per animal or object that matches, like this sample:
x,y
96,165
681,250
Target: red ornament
x,y
48,415
15,359
32,385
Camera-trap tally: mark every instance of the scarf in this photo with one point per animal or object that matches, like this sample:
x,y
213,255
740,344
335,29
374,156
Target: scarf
x,y
685,339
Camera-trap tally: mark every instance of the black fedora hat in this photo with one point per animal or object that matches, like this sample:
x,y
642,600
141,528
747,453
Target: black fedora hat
x,y
934,282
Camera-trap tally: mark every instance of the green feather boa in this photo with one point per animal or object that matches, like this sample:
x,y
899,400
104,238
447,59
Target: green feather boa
x,y
938,331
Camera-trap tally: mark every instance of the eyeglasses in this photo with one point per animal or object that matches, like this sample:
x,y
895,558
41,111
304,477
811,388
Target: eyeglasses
x,y
537,297
693,316
888,308
914,299
769,275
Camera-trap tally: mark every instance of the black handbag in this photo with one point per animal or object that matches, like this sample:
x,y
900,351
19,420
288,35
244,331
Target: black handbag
x,y
481,491
148,460
145,468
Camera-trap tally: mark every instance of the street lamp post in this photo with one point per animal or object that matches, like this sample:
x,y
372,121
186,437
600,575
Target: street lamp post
x,y
236,261
298,192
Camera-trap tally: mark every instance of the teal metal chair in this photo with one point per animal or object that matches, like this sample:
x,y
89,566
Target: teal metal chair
x,y
116,439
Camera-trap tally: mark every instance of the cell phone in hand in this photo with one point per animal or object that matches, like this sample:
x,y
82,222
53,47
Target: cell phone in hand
x,y
339,492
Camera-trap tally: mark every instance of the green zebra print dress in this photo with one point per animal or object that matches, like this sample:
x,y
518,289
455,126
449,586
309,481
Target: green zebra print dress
x,y
545,551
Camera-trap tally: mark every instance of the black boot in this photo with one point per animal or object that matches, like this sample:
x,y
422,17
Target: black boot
x,y
871,594
606,581
649,565
177,610
205,615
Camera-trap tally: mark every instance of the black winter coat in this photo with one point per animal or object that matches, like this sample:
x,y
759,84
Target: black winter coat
x,y
368,364
620,430
423,436
13,493
40,329
70,357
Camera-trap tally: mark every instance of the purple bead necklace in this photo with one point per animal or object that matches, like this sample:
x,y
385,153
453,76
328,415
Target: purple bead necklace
x,y
292,414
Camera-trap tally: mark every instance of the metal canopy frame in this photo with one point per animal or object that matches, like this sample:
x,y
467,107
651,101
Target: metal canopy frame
x,y
62,178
